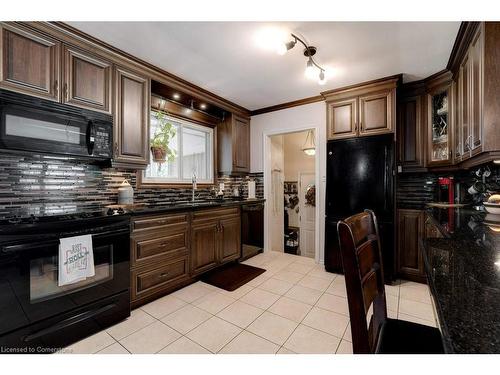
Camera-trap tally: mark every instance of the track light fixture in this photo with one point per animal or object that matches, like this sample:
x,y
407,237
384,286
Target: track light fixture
x,y
311,66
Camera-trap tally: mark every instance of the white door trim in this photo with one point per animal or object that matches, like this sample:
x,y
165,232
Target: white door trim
x,y
267,180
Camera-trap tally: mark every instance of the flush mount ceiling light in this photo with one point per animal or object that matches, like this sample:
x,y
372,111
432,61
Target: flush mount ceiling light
x,y
313,70
309,147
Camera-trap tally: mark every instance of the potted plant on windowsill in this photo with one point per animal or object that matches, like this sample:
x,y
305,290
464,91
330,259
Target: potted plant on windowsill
x,y
159,144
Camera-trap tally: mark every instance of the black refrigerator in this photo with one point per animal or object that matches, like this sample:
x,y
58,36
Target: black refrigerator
x,y
360,174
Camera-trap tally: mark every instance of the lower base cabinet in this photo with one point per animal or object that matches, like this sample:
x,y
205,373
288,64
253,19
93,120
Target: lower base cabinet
x,y
215,238
410,232
169,251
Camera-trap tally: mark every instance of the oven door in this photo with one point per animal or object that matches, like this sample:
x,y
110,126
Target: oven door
x,y
29,290
32,129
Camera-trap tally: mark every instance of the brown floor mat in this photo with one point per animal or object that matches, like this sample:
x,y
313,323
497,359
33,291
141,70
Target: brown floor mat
x,y
232,276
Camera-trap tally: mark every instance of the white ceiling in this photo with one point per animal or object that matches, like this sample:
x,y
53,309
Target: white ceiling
x,y
224,58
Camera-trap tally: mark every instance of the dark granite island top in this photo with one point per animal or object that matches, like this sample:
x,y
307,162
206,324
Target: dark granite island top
x,y
463,271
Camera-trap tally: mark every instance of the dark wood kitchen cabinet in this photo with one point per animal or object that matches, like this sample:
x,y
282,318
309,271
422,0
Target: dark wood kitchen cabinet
x,y
410,134
362,110
233,145
159,255
411,230
29,62
230,231
215,238
204,240
470,100
440,124
132,98
86,80
376,111
342,118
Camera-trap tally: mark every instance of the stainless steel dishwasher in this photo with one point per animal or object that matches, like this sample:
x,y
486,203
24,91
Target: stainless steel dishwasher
x,y
252,229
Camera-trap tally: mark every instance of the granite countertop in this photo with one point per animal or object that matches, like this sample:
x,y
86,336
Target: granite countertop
x,y
188,206
463,270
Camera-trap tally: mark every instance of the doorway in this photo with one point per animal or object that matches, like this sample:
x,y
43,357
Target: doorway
x,y
290,174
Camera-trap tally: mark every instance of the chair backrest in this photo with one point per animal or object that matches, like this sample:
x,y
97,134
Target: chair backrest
x,y
364,278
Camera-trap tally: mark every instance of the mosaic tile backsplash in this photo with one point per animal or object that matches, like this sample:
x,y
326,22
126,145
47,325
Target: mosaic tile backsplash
x,y
416,189
50,185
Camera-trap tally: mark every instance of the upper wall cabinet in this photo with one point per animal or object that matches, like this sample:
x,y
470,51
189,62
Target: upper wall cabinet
x,y
131,119
362,110
342,118
470,100
233,145
29,63
376,112
439,121
87,80
410,137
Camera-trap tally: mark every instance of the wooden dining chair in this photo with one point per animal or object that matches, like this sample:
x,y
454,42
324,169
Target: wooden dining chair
x,y
364,277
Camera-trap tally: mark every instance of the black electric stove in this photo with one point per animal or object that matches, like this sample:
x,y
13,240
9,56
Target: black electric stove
x,y
38,316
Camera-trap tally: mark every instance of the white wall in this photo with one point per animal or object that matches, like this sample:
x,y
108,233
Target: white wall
x,y
288,120
275,202
295,159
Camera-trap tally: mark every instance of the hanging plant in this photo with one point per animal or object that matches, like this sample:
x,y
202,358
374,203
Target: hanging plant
x,y
159,144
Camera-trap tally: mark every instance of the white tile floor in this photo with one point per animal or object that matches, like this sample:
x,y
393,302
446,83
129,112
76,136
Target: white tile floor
x,y
294,307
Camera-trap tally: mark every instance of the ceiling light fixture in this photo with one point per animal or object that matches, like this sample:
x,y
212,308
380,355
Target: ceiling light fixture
x,y
203,106
312,67
189,110
309,147
176,96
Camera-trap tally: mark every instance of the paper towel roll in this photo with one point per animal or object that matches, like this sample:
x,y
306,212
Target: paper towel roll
x,y
251,189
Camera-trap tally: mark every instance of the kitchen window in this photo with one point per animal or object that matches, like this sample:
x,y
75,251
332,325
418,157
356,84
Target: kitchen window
x,y
190,151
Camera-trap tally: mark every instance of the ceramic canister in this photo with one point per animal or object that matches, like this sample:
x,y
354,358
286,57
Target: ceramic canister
x,y
125,193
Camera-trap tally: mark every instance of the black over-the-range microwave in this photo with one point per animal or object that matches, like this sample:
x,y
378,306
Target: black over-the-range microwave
x,y
36,125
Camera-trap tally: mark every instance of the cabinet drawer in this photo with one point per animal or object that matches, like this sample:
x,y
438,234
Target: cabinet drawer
x,y
147,250
146,281
158,221
215,214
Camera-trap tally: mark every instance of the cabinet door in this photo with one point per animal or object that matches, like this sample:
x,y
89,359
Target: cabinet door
x,y
376,113
241,144
410,230
29,63
464,104
230,244
410,137
87,80
131,118
455,119
476,90
439,127
342,118
204,246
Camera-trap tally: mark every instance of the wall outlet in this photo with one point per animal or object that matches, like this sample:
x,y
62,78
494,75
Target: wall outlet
x,y
221,186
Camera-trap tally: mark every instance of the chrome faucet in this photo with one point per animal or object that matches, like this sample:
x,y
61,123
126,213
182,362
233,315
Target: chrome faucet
x,y
193,181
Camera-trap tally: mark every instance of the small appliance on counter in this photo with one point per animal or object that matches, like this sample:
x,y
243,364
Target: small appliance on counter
x,y
446,190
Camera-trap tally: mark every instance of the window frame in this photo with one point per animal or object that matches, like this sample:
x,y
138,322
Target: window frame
x,y
211,129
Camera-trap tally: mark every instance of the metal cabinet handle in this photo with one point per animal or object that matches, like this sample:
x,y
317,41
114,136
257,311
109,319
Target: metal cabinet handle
x,y
221,228
164,274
